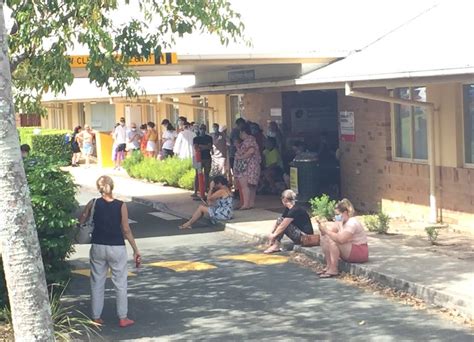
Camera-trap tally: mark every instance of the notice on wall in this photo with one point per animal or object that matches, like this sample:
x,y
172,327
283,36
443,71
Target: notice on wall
x,y
347,126
294,179
275,112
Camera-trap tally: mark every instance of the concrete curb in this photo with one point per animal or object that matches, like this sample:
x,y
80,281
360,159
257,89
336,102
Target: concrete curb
x,y
428,294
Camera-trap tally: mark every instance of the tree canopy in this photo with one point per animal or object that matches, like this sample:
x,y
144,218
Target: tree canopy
x,y
44,32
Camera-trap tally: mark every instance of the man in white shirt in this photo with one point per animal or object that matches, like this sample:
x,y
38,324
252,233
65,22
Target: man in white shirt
x,y
120,138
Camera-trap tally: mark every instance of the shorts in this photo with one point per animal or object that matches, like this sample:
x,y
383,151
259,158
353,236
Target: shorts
x,y
87,149
167,153
75,148
359,254
121,147
150,146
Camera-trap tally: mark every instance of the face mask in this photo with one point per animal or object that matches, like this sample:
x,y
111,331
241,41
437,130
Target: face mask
x,y
122,124
202,132
271,134
338,218
216,130
134,129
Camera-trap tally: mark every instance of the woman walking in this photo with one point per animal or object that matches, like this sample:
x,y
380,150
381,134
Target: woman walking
x,y
108,250
247,168
86,139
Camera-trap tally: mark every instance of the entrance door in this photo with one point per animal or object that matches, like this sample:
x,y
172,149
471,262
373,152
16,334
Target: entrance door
x,y
103,117
133,114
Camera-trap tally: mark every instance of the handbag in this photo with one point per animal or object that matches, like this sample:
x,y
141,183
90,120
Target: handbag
x,y
310,240
84,235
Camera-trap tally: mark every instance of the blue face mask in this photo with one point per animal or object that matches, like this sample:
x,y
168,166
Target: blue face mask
x,y
338,218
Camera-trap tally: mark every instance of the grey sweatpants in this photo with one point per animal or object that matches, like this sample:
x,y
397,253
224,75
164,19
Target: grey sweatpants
x,y
102,258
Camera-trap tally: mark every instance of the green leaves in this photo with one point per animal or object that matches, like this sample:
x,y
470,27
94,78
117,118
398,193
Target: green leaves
x,y
50,30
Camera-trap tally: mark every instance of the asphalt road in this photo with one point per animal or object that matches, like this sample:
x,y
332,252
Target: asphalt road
x,y
205,285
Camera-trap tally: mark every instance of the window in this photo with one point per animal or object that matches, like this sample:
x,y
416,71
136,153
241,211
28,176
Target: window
x,y
150,113
236,107
201,116
173,110
411,141
469,123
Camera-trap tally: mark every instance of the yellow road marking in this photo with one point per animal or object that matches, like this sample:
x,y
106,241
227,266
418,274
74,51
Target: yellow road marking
x,y
183,266
259,259
87,273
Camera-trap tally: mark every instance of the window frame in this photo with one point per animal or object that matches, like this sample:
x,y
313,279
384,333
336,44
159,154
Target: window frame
x,y
466,164
412,131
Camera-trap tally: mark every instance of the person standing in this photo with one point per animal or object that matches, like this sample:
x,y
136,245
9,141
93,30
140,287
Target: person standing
x,y
152,140
168,138
183,146
108,250
219,151
120,139
134,137
247,168
76,150
85,139
203,142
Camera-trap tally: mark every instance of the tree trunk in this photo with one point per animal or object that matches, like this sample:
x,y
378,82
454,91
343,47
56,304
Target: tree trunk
x,y
22,262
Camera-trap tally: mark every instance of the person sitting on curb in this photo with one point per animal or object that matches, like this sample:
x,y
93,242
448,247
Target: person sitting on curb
x,y
294,222
220,201
346,240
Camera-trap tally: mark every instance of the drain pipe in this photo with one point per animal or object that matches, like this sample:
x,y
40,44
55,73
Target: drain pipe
x,y
431,141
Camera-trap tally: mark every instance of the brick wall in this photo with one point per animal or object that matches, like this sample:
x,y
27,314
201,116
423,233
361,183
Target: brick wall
x,y
257,107
369,176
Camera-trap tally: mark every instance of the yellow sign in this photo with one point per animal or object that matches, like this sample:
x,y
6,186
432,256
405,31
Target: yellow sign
x,y
294,179
80,61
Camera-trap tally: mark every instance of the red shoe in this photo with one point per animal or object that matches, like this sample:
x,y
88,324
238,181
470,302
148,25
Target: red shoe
x,y
123,323
99,321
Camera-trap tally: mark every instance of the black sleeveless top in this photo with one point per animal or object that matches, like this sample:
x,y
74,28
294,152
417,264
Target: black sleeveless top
x,y
108,223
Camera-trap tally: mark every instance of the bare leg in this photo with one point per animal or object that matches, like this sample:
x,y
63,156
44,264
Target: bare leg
x,y
87,160
245,193
252,195
334,254
325,248
200,211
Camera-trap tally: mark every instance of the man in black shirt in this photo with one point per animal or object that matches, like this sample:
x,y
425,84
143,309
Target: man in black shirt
x,y
203,142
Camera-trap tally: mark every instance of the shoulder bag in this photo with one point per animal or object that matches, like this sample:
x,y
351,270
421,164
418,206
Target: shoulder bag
x,y
84,235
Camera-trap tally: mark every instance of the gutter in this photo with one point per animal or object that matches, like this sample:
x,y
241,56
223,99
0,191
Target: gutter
x,y
430,125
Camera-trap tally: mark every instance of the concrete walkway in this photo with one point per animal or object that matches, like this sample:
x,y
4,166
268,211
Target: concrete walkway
x,y
438,280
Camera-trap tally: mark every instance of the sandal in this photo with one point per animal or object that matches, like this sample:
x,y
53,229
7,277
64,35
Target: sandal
x,y
321,272
185,226
271,250
328,275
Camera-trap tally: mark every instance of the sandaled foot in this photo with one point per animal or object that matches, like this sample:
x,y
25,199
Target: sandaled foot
x,y
272,249
185,226
328,275
324,270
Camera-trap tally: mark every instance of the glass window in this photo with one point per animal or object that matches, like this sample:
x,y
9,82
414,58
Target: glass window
x,y
236,107
469,122
201,116
411,135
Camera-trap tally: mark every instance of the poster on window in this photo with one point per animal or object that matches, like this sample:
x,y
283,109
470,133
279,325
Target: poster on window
x,y
347,126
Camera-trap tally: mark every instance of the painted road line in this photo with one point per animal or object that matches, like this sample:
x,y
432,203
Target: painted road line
x,y
165,216
87,273
131,221
258,259
183,266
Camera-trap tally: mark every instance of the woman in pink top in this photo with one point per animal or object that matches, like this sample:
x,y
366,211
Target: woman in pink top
x,y
346,240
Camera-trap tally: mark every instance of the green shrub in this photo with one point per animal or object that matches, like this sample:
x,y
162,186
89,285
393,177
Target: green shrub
x,y
432,232
52,194
52,145
379,223
323,207
169,171
172,169
187,180
26,133
135,158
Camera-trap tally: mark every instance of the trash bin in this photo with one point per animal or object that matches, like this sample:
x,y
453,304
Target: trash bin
x,y
309,178
304,176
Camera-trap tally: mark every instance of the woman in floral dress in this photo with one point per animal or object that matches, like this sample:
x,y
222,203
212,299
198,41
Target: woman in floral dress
x,y
247,168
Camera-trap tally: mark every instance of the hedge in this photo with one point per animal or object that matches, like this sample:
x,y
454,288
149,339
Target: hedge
x,y
52,194
50,142
171,171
